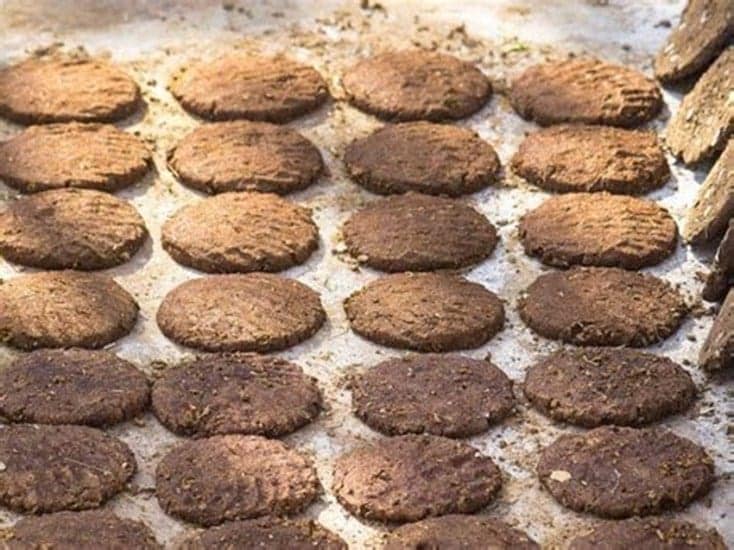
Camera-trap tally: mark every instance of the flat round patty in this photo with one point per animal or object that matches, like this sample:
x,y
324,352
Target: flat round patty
x,y
721,273
241,232
598,229
717,351
704,121
273,533
712,211
410,477
253,312
447,395
650,534
236,393
458,532
227,477
704,29
602,307
274,89
64,309
81,531
414,232
70,229
593,386
578,157
416,85
617,472
53,468
425,312
585,90
72,386
92,156
436,159
245,156
61,90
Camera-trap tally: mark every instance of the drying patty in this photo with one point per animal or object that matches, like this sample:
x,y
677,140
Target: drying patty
x,y
709,216
704,121
593,386
240,232
598,229
245,156
414,232
410,477
416,85
274,533
650,534
79,531
60,90
253,312
436,159
458,532
717,352
273,89
72,386
721,276
447,395
228,477
91,156
425,312
616,472
704,29
236,393
580,157
70,229
53,468
585,90
62,309
602,307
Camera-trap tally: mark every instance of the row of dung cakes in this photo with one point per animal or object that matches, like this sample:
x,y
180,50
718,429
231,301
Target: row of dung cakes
x,y
699,57
420,402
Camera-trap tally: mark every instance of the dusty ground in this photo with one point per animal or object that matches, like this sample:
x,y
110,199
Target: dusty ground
x,y
151,38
